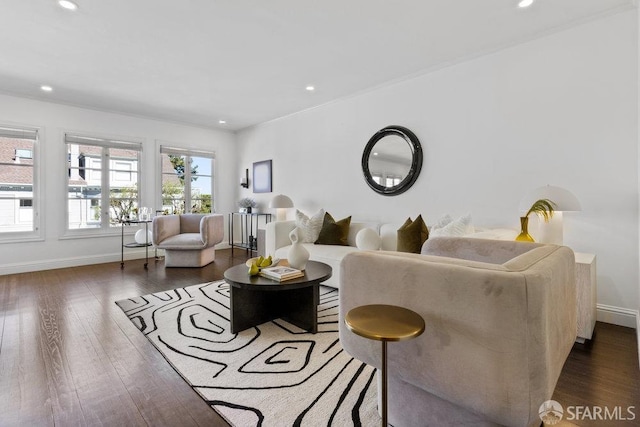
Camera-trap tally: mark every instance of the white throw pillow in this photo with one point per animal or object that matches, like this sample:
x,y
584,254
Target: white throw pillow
x,y
459,227
368,240
309,227
442,222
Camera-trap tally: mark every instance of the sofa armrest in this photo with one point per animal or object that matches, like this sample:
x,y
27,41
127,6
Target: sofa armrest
x,y
277,235
483,250
212,229
165,226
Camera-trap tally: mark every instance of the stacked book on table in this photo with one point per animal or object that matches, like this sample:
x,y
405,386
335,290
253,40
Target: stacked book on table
x,y
281,274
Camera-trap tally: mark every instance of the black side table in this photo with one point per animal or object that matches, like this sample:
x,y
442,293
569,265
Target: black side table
x,y
135,244
248,223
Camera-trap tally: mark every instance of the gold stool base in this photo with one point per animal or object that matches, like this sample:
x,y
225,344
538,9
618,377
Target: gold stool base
x,y
384,323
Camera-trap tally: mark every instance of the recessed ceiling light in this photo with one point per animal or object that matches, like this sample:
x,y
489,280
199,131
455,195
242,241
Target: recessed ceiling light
x,y
525,3
310,88
68,4
222,122
46,88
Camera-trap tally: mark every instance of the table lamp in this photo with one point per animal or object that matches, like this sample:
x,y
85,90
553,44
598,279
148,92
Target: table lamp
x,y
281,203
564,201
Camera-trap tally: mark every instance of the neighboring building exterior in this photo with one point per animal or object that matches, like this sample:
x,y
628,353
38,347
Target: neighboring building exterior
x,y
16,184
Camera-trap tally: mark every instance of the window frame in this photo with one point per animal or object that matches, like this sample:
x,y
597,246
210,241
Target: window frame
x,y
37,230
106,144
177,151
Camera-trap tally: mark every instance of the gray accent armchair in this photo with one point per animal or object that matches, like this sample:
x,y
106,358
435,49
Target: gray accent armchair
x,y
189,239
500,322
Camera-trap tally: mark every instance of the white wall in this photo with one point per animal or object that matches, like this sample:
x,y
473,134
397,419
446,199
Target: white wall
x,y
58,251
638,117
560,110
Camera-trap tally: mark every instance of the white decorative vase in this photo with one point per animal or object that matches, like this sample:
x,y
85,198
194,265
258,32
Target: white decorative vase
x,y
298,255
140,238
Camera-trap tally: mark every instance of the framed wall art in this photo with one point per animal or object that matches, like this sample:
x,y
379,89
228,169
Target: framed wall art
x,y
262,177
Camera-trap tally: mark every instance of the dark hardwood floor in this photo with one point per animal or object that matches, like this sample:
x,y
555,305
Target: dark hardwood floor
x,y
69,356
602,373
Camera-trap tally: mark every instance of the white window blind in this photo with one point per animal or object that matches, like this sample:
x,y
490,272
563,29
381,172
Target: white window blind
x,y
18,133
187,152
102,142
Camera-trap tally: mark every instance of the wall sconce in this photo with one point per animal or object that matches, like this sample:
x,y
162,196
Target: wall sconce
x,y
244,181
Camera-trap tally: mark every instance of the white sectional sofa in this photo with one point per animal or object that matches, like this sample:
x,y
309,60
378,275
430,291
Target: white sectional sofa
x,y
277,242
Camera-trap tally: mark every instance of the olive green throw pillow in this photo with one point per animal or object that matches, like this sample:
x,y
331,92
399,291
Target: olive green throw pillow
x,y
412,235
332,232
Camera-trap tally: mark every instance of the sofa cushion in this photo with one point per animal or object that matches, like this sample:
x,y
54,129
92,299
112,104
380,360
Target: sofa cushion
x,y
412,235
389,236
442,221
329,254
368,240
458,227
356,227
309,227
494,234
183,241
190,223
334,232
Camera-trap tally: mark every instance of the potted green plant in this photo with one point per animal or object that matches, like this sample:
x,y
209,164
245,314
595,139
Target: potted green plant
x,y
544,208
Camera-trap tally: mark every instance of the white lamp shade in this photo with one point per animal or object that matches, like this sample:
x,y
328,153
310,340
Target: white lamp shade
x,y
564,199
281,202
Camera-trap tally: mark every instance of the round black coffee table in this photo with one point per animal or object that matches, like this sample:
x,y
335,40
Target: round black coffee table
x,y
256,300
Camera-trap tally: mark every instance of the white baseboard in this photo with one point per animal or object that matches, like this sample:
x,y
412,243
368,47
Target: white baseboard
x,y
50,264
638,338
618,316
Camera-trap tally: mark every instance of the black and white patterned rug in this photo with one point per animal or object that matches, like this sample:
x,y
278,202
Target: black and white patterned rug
x,y
272,375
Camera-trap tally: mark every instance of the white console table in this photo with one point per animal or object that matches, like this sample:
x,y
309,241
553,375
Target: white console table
x,y
586,294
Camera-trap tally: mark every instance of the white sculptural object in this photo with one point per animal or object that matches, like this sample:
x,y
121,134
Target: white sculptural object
x,y
298,255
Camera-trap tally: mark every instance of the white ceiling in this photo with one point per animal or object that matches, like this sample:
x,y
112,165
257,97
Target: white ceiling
x,y
248,61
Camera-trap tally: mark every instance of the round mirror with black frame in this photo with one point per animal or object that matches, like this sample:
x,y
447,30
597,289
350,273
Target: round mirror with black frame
x,y
392,160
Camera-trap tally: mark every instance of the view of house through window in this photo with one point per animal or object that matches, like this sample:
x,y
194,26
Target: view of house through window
x,y
187,181
17,183
102,181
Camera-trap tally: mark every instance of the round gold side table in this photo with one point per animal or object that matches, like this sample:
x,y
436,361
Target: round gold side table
x,y
384,323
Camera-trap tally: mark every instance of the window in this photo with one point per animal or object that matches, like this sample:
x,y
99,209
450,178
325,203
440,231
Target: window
x,y
22,153
18,183
392,181
187,180
102,186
